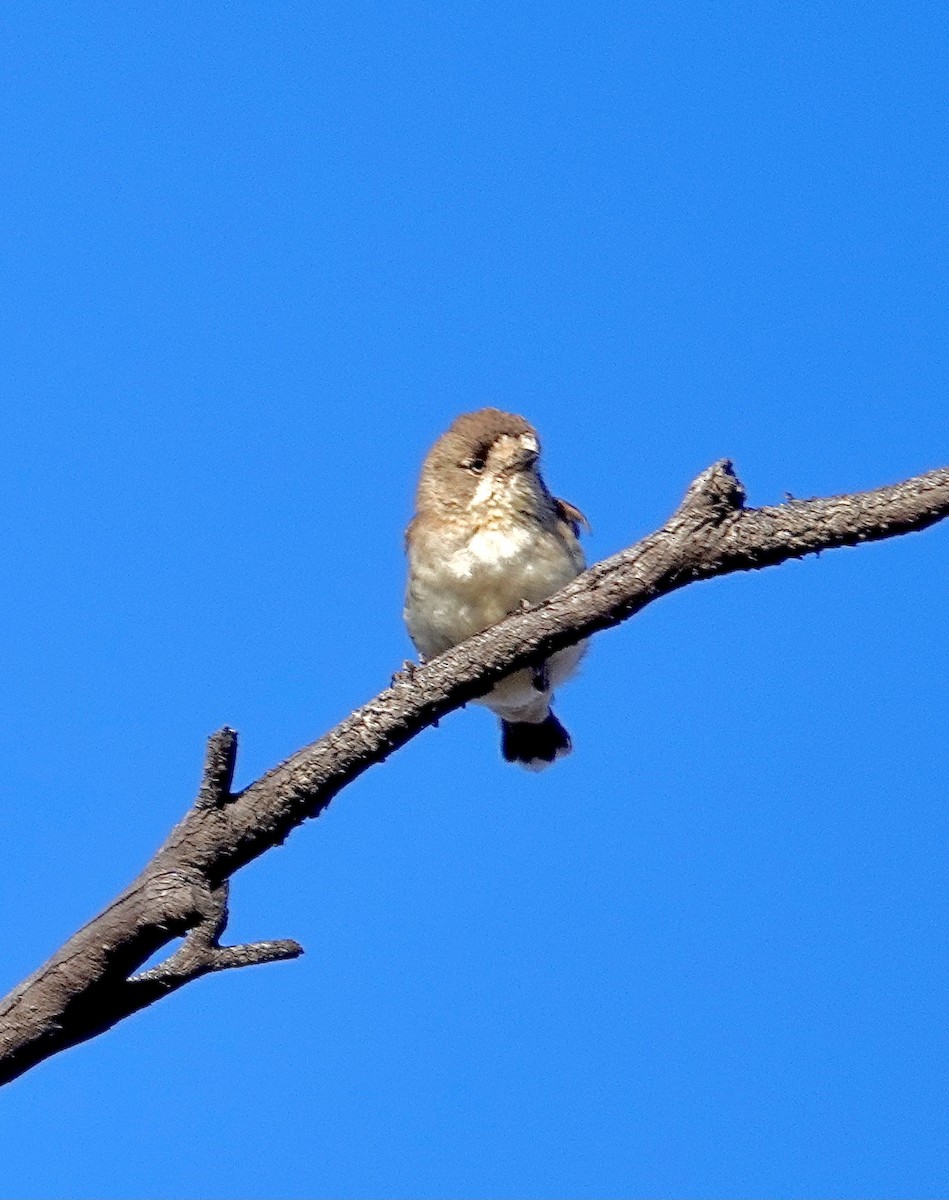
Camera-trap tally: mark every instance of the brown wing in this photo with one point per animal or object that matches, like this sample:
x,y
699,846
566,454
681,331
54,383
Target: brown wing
x,y
572,516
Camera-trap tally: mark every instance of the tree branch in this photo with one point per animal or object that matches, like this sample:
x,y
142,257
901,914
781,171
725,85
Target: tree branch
x,y
90,984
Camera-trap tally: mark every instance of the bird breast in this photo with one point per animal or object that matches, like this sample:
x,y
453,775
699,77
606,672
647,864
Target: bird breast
x,y
474,584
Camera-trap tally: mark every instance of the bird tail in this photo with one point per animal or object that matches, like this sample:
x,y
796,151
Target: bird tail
x,y
534,746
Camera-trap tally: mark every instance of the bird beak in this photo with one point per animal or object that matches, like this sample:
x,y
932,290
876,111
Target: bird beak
x,y
528,452
513,455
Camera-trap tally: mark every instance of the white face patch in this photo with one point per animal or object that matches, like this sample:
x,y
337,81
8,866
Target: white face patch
x,y
483,492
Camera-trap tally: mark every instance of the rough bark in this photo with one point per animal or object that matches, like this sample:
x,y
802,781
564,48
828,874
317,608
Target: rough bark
x,y
91,982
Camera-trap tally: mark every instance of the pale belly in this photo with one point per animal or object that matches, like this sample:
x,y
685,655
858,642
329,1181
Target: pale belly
x,y
516,698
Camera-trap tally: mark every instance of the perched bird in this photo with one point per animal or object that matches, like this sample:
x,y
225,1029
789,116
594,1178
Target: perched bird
x,y
487,538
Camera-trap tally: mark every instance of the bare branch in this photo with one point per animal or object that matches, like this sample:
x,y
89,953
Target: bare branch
x,y
91,983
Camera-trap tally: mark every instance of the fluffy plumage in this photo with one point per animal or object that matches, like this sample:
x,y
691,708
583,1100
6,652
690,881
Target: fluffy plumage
x,y
487,536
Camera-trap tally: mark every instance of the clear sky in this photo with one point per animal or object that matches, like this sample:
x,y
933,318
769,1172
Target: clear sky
x,y
255,258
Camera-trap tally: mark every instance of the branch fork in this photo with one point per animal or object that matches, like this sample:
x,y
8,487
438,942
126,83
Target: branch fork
x,y
202,952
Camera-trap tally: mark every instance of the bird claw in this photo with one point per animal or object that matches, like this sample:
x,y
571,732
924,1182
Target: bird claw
x,y
540,677
406,674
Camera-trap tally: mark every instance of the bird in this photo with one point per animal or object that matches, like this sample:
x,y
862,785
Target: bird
x,y
488,539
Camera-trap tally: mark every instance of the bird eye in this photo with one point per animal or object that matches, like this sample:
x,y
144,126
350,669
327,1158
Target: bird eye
x,y
476,465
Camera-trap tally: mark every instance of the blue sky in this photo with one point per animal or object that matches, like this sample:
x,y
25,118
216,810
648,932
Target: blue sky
x,y
256,257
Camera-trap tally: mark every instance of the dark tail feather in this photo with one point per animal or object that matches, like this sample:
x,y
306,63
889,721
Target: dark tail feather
x,y
534,746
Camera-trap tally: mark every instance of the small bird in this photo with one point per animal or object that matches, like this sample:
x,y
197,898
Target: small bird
x,y
487,539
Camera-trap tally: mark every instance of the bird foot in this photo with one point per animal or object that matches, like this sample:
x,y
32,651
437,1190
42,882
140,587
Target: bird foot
x,y
406,674
540,677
